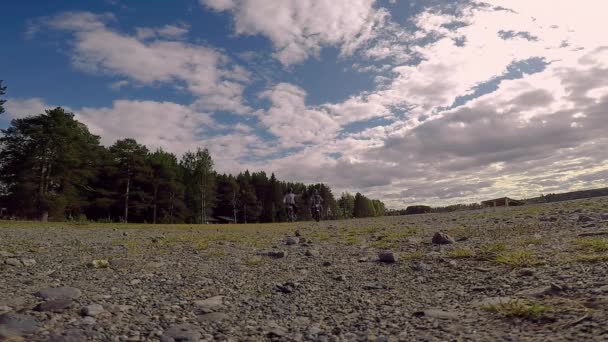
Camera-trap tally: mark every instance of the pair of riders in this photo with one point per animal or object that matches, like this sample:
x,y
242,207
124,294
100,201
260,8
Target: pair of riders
x,y
290,202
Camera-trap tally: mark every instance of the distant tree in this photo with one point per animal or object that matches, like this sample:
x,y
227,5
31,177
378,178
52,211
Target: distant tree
x,y
130,158
166,185
46,162
198,167
346,205
248,201
2,102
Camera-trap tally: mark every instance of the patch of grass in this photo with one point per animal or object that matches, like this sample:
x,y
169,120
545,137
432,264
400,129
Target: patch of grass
x,y
216,253
519,258
417,255
320,235
519,309
596,244
392,238
591,258
461,253
530,240
492,249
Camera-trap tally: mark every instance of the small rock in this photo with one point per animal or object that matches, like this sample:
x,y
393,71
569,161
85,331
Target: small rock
x,y
181,333
326,263
439,314
441,238
312,253
58,292
275,330
297,233
6,254
290,241
100,263
28,262
212,317
491,301
210,304
374,286
584,218
135,282
89,321
363,259
540,291
287,287
92,310
386,256
13,262
340,277
421,267
54,305
526,272
5,309
604,216
274,254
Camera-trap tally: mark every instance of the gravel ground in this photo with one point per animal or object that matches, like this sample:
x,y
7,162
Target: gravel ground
x,y
526,273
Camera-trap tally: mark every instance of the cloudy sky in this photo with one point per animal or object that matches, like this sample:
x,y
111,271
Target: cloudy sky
x,y
408,101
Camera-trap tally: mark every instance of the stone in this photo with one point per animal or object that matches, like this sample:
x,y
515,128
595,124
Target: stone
x,y
421,267
92,310
13,262
101,263
28,262
287,287
312,253
441,238
540,291
489,301
13,324
181,333
297,233
604,216
275,330
374,286
212,317
6,254
290,241
340,277
89,321
387,256
584,218
326,263
58,292
5,309
440,314
210,304
526,272
274,254
54,305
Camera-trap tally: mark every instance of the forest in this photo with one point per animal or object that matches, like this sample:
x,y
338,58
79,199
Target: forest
x,y
53,168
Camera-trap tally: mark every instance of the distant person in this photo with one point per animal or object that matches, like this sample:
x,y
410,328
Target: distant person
x,y
316,205
290,204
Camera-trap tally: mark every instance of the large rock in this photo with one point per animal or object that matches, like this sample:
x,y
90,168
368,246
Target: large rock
x,y
584,218
181,333
13,324
292,241
441,238
387,256
58,292
13,262
54,305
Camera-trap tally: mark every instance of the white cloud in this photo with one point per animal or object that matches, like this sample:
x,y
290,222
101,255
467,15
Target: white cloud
x,y
168,31
299,29
207,72
17,108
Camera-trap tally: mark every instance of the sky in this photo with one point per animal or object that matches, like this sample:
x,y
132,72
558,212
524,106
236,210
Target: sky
x,y
408,101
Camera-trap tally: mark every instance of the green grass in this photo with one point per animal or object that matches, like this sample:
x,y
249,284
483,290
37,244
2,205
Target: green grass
x,y
461,253
596,245
590,258
519,258
519,309
492,249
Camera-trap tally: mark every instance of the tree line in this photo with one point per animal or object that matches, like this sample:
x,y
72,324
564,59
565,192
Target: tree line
x,y
53,168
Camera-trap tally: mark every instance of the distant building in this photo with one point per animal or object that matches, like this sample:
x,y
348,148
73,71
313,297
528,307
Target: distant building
x,y
502,202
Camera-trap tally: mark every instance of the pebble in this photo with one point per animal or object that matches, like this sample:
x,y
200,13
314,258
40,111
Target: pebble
x,y
181,333
89,320
387,257
92,310
210,304
28,262
441,238
13,262
312,253
439,314
292,241
100,263
17,324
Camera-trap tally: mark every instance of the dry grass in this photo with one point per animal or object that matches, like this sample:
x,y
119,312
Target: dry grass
x,y
461,253
519,258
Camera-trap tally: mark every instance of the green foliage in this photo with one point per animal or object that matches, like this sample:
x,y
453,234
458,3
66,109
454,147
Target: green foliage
x,y
596,245
519,309
200,182
518,258
461,253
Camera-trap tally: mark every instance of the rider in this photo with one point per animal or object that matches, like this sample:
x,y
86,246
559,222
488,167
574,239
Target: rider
x,y
316,199
290,200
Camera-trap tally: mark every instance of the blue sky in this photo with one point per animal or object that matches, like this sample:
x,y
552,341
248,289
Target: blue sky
x,y
408,101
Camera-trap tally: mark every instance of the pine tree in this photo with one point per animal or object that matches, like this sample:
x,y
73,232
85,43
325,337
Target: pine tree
x,y
47,162
2,102
198,167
